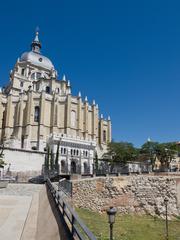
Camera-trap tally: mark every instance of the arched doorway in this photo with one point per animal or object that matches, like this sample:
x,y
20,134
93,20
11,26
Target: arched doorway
x,y
73,167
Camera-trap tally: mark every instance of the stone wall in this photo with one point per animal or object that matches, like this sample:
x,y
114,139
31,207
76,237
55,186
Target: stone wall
x,y
131,194
24,164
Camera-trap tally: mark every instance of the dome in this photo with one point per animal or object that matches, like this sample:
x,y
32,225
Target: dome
x,y
37,60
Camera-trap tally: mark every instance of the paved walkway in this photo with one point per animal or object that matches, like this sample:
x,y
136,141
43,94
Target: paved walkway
x,y
28,212
18,206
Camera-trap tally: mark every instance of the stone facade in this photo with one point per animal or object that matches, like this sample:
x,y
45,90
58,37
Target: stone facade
x,y
133,194
36,104
37,108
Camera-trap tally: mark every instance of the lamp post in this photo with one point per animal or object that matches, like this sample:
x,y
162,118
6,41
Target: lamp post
x,y
111,212
167,231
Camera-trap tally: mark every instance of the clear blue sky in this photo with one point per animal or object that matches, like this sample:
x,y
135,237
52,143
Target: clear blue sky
x,y
123,54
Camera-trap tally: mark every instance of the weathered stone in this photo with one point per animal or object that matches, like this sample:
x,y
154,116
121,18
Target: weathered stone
x,y
134,194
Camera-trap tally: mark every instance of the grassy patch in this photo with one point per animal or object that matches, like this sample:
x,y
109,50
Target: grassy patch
x,y
129,227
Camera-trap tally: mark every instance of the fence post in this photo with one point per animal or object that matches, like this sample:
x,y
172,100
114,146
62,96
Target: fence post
x,y
73,221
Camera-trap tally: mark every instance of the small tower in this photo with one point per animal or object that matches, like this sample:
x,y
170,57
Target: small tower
x,y
36,45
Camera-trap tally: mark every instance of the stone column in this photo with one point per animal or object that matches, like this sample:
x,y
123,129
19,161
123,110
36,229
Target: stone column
x,y
29,119
80,121
101,129
1,117
86,106
20,117
109,135
41,133
68,114
53,113
94,121
9,117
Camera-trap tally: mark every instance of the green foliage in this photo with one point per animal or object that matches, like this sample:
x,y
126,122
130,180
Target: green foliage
x,y
129,227
148,152
2,162
52,160
57,154
46,162
122,152
165,152
96,164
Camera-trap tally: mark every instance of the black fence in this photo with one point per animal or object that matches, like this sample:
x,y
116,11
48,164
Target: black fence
x,y
65,186
76,226
104,167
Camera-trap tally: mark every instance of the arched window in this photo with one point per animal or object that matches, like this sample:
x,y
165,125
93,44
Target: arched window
x,y
48,90
38,75
104,136
33,76
71,152
73,119
64,150
36,114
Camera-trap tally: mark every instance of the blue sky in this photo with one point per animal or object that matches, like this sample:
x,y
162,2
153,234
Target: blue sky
x,y
123,54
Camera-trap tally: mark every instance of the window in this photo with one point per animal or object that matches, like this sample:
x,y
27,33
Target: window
x,y
104,136
22,71
48,89
38,75
61,150
33,76
64,150
73,119
21,84
36,114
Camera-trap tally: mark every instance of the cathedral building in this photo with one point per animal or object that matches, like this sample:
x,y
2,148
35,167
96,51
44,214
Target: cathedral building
x,y
37,108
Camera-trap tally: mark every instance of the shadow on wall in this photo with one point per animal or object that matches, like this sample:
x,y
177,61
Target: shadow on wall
x,y
50,224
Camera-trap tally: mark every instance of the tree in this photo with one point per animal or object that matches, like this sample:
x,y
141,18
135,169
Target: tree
x,y
2,162
165,152
52,160
148,151
122,152
96,164
46,162
57,154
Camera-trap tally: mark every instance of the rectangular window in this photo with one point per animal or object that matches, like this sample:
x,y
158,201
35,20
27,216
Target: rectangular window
x,y
36,114
22,71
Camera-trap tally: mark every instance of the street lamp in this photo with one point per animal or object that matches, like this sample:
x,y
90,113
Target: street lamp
x,y
111,212
167,232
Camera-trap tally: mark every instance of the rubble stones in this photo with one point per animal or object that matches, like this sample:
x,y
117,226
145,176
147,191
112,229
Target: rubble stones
x,y
130,194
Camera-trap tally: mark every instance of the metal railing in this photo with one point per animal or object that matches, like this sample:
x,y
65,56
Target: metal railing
x,y
65,186
78,229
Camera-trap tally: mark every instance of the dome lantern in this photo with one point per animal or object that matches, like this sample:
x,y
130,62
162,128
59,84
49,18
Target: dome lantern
x,y
36,45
